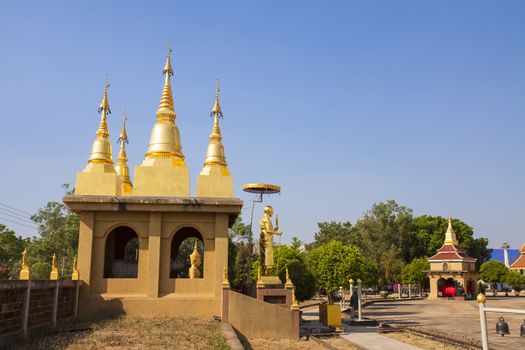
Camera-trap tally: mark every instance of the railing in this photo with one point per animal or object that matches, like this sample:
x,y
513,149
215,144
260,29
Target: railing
x,y
483,318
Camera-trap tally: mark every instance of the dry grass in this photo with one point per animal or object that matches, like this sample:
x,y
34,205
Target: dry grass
x,y
135,333
285,344
421,342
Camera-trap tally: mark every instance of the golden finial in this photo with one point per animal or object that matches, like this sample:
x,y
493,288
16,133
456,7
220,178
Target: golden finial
x,y
215,150
225,281
216,110
450,235
101,150
54,271
168,70
104,105
25,273
75,276
288,280
195,261
122,160
295,304
259,277
123,137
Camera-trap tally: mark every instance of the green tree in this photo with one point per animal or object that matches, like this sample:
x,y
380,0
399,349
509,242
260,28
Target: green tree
x,y
387,236
302,278
240,256
416,273
58,229
430,233
334,231
333,263
296,243
515,280
11,248
493,272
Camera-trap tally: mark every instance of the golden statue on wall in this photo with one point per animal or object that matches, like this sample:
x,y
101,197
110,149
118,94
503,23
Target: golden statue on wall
x,y
266,238
195,260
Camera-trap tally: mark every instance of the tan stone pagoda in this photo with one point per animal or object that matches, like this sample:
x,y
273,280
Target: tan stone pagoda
x,y
452,271
131,231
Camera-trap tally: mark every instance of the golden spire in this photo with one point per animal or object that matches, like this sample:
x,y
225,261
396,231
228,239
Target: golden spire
x,y
101,149
122,160
54,271
225,281
165,138
450,235
75,276
25,272
215,151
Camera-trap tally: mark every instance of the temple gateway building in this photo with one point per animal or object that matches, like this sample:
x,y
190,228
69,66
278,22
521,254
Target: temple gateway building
x,y
452,271
132,232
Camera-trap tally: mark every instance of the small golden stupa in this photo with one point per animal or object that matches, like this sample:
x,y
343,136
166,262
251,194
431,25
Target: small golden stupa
x,y
215,179
99,176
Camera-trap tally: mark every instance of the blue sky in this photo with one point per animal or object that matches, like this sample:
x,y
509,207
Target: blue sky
x,y
342,103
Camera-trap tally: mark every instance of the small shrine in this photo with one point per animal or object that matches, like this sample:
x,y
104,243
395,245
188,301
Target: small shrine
x,y
519,264
135,236
452,271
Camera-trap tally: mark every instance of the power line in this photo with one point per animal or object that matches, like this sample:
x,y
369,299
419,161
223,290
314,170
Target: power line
x,y
14,222
15,217
15,213
10,207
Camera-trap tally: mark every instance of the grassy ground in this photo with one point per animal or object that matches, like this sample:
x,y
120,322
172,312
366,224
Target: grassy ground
x,y
285,344
134,333
421,342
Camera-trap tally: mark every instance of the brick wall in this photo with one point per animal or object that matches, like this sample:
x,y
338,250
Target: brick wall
x,y
27,305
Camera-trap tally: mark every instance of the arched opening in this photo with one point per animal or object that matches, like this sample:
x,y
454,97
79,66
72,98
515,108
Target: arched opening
x,y
448,287
445,267
182,246
121,258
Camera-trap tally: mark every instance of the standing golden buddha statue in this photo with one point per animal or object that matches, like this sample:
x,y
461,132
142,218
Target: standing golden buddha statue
x,y
266,238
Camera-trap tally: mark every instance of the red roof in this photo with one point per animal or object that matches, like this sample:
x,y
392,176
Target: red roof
x,y
520,262
451,252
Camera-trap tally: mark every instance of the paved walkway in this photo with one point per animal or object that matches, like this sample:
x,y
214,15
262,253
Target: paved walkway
x,y
368,338
455,319
365,337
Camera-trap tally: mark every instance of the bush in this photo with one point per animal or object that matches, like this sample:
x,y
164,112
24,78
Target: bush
x,y
383,294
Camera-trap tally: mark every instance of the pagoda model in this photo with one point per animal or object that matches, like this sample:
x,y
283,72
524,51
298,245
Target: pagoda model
x,y
215,179
99,177
163,171
519,264
132,235
452,271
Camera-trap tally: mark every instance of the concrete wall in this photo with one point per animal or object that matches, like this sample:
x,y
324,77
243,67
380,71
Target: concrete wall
x,y
256,319
28,305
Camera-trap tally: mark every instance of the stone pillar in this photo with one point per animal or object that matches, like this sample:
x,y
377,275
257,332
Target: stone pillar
x,y
25,309
221,250
55,303
225,310
155,224
85,249
296,322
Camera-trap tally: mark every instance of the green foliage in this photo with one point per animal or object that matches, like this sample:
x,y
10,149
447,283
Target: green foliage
x,y
11,248
334,263
493,271
416,272
430,233
58,230
302,278
240,256
334,231
387,236
515,280
296,243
